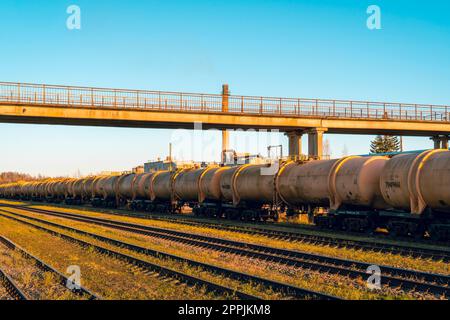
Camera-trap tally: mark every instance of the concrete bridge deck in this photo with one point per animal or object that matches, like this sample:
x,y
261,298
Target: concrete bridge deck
x,y
31,103
68,105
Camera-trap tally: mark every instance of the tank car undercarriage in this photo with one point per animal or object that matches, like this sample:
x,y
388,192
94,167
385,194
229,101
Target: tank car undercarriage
x,y
245,212
406,195
398,224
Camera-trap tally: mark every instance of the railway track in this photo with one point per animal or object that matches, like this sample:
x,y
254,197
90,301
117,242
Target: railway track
x,y
294,236
11,287
403,250
284,288
62,280
437,284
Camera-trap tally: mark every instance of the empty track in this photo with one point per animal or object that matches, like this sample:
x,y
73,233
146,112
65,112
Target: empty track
x,y
11,287
437,284
281,287
62,280
294,236
374,246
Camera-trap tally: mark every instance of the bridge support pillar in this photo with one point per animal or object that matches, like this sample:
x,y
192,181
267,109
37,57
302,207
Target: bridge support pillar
x,y
436,142
225,133
444,142
440,142
295,144
315,142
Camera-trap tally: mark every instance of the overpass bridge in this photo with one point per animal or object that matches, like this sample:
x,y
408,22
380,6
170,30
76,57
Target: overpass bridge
x,y
71,105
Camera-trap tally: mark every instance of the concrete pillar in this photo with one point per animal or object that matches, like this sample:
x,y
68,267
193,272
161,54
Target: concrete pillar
x,y
295,144
315,142
436,141
225,133
444,141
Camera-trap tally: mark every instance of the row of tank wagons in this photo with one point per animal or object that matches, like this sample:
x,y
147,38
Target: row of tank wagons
x,y
408,194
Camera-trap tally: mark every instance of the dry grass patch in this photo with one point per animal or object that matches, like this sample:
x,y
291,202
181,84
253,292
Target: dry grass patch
x,y
35,283
106,276
327,283
426,265
4,294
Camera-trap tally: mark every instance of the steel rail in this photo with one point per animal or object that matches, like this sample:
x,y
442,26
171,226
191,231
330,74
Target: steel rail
x,y
144,265
406,251
62,279
403,250
258,248
392,277
297,235
11,287
287,289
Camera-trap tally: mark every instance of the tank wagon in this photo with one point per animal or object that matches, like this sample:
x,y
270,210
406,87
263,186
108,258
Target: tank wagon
x,y
407,194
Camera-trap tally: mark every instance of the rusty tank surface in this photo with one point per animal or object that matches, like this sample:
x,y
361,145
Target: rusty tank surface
x,y
105,187
354,182
416,181
226,184
161,186
346,182
76,190
61,188
69,187
41,189
87,187
433,181
186,184
125,186
209,184
26,189
249,183
306,183
141,188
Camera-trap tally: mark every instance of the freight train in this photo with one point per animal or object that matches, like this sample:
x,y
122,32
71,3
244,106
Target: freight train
x,y
408,194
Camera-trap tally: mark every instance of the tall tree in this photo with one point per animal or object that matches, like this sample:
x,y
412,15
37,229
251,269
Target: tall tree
x,y
383,144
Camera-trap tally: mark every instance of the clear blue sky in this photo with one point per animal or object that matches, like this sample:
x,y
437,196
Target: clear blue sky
x,y
312,49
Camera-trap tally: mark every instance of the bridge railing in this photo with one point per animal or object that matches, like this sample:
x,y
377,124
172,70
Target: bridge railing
x,y
69,96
